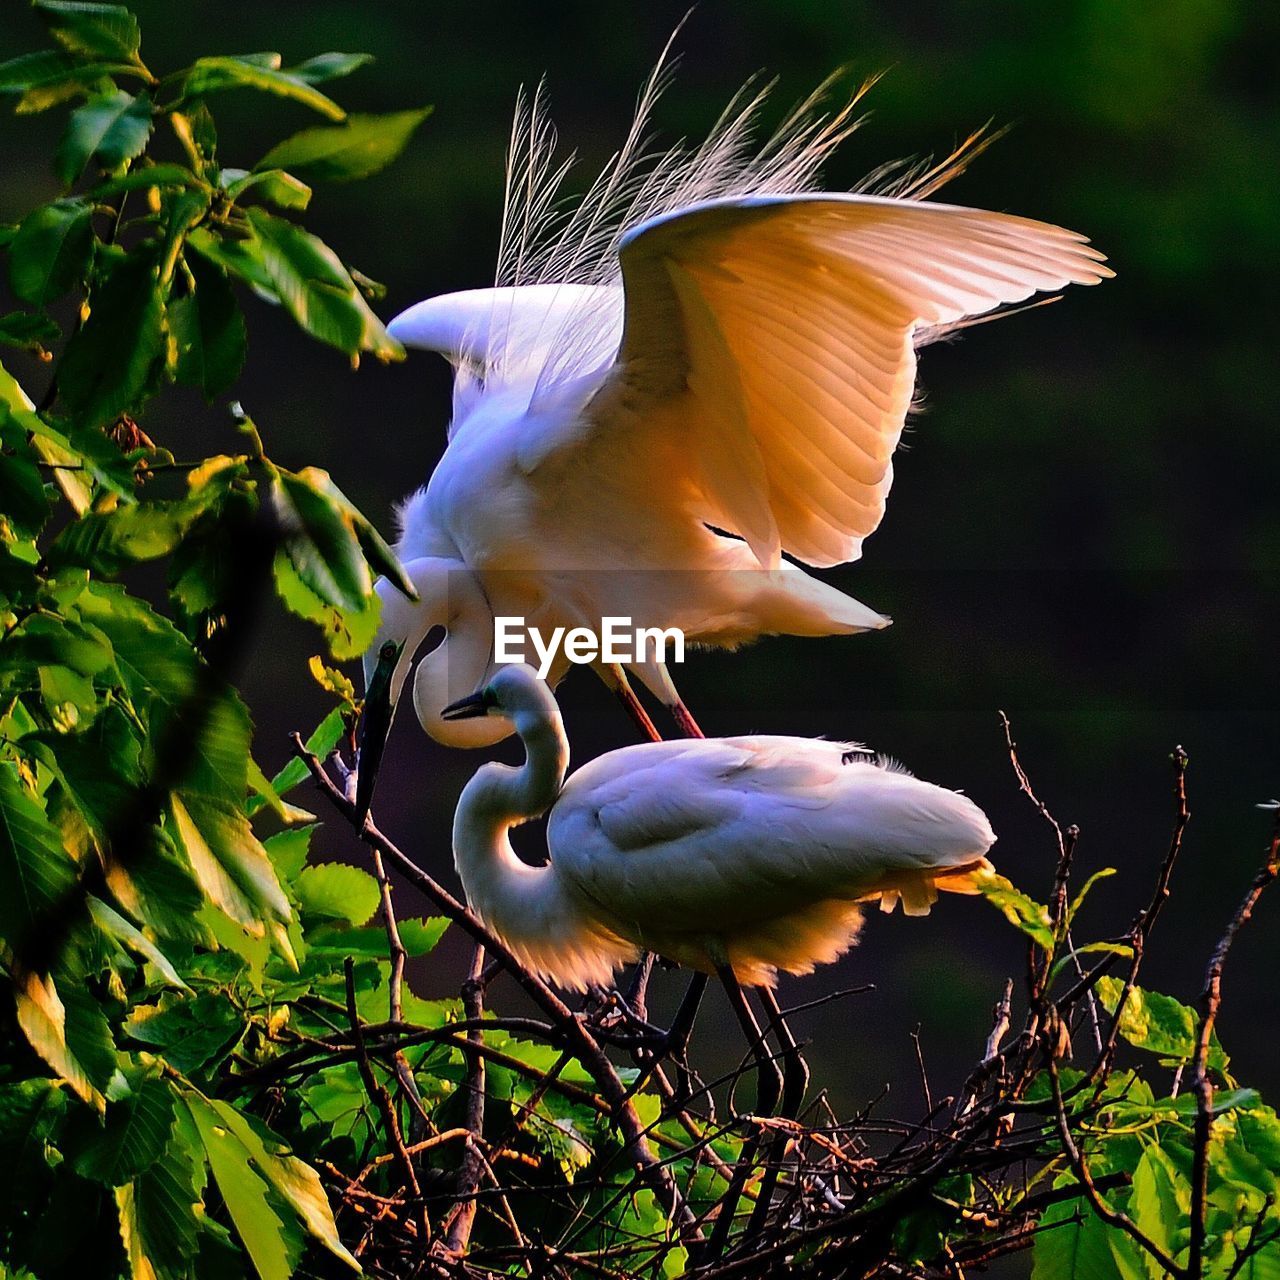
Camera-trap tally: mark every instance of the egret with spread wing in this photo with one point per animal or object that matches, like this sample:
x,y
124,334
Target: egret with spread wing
x,y
703,367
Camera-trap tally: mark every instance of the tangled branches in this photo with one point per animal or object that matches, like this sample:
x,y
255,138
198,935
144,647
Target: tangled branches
x,y
559,1161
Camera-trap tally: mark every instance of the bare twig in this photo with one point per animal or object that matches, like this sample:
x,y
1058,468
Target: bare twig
x,y
1201,1086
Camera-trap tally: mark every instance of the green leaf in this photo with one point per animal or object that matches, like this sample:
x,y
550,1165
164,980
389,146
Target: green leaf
x,y
319,539
31,69
208,330
293,1180
337,892
419,938
133,1135
211,75
1084,892
330,66
1024,913
23,501
348,633
1073,1244
112,362
1159,1204
52,250
92,31
317,289
35,872
322,741
241,258
356,149
288,850
68,1034
112,128
30,332
229,862
118,927
1108,948
267,1238
192,1034
272,185
152,175
160,1212
1158,1023
109,541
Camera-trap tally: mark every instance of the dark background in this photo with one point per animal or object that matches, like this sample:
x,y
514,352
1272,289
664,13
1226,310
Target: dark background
x,y
1083,530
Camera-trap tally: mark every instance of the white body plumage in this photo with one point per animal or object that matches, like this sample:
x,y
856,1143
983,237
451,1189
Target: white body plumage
x,y
755,851
703,366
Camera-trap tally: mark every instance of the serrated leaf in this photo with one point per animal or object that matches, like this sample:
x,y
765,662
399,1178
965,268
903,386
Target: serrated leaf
x,y
1159,1204
360,147
1025,914
133,1135
212,75
347,632
320,542
337,892
51,251
28,332
208,330
275,186
292,1179
324,737
288,850
92,31
317,289
135,940
35,872
112,362
111,128
332,681
160,1212
330,66
152,175
1104,874
267,1238
109,541
1158,1023
52,1031
1072,1244
418,937
193,1034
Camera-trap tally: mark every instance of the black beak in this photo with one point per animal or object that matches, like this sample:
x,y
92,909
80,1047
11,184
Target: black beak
x,y
375,725
466,708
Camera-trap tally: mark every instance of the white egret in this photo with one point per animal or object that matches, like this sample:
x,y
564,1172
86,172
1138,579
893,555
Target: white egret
x,y
704,366
733,856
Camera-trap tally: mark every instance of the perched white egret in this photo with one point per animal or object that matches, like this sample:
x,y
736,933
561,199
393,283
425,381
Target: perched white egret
x,y
701,367
733,855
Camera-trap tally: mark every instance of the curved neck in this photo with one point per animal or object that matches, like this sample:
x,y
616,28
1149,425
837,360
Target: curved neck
x,y
449,597
505,892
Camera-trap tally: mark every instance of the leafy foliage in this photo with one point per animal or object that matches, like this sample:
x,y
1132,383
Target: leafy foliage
x,y
208,1039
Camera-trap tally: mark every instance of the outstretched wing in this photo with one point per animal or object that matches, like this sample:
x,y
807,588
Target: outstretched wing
x,y
768,354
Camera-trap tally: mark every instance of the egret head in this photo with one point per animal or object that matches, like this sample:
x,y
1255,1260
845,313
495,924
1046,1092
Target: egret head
x,y
451,604
514,695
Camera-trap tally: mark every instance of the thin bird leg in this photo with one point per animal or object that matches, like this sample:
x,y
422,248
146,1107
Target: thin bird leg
x,y
795,1071
795,1079
639,987
768,1077
685,722
618,682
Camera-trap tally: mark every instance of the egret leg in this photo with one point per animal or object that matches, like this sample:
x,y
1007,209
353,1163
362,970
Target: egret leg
x,y
639,988
768,1077
795,1071
617,680
685,722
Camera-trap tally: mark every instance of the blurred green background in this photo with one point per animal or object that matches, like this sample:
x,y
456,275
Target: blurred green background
x,y
1084,528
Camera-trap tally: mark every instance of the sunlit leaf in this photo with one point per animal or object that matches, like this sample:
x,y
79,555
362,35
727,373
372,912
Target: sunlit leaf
x,y
92,31
337,892
112,129
1024,913
1158,1023
51,252
356,149
211,75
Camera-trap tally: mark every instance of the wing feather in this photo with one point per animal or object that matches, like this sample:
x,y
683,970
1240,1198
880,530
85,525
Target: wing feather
x,y
776,335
